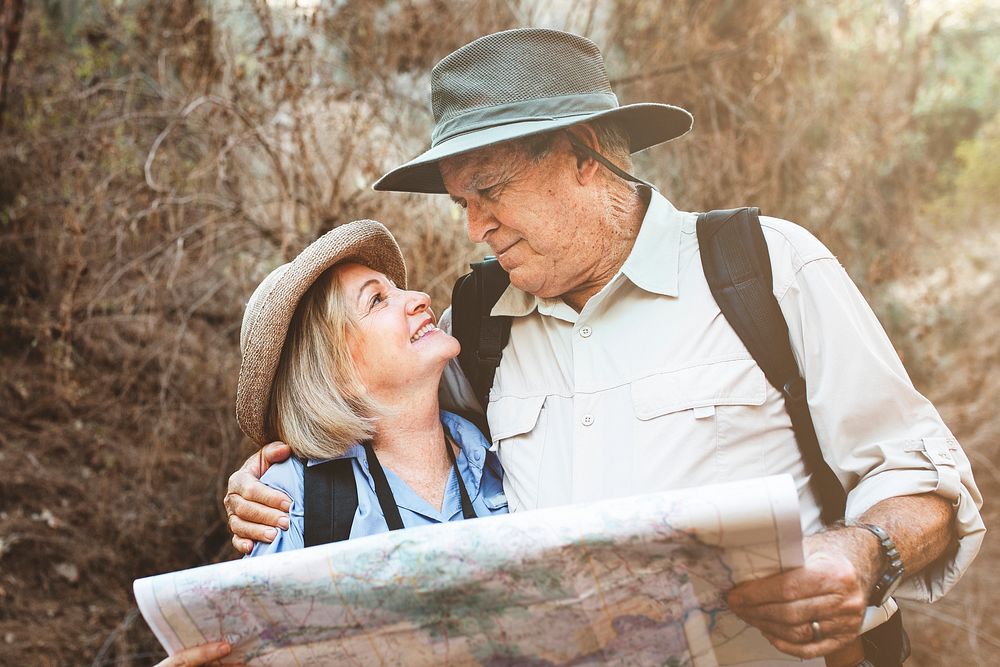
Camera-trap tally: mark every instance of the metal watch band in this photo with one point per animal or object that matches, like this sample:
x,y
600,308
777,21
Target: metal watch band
x,y
893,570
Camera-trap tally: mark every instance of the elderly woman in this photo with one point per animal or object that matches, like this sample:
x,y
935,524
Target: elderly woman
x,y
342,362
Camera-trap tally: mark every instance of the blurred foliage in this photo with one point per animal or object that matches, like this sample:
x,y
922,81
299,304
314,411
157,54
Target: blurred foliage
x,y
970,193
157,159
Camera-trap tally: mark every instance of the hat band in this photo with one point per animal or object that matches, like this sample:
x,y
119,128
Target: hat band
x,y
546,108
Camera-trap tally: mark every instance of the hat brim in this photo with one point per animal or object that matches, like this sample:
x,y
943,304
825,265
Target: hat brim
x,y
273,305
647,124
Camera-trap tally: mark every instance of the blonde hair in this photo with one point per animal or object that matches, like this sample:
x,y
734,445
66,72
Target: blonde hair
x,y
318,405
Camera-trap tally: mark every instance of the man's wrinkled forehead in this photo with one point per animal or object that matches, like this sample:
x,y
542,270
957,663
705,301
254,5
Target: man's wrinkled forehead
x,y
477,169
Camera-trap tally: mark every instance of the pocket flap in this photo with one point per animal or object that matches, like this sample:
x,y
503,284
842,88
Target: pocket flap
x,y
513,415
733,382
938,450
495,501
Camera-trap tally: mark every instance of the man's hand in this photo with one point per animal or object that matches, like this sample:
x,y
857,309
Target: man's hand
x,y
254,509
831,589
198,655
841,567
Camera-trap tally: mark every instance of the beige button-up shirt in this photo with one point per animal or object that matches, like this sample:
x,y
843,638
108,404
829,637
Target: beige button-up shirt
x,y
648,388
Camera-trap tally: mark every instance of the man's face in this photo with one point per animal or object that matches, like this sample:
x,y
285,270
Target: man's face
x,y
536,216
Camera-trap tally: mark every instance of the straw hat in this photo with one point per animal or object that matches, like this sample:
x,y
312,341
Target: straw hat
x,y
517,83
273,303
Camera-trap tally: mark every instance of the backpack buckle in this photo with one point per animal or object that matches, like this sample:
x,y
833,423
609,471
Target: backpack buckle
x,y
795,390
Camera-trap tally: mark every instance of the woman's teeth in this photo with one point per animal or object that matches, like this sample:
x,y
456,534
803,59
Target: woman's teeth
x,y
421,332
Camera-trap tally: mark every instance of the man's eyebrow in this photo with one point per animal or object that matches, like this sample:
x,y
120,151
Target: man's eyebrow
x,y
486,178
361,292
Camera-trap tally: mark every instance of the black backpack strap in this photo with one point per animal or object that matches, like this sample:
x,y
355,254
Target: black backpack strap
x,y
331,501
482,336
738,269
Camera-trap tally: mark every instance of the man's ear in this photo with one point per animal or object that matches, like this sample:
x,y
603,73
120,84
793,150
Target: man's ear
x,y
586,166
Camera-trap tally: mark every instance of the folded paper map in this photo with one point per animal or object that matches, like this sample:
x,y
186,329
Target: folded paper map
x,y
630,581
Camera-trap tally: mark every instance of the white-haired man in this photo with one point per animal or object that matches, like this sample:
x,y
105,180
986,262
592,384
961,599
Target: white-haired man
x,y
621,375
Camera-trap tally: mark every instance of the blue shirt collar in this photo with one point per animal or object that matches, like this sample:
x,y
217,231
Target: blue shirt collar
x,y
472,456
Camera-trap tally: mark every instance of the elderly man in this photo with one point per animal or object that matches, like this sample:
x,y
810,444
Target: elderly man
x,y
621,375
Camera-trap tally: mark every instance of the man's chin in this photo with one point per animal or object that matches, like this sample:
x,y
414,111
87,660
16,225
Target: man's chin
x,y
532,284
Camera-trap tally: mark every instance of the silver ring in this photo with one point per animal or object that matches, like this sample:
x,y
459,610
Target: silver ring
x,y
817,633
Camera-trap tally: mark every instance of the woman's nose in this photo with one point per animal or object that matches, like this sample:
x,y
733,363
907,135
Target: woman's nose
x,y
417,302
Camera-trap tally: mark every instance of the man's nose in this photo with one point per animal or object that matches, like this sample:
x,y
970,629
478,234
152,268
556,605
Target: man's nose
x,y
479,222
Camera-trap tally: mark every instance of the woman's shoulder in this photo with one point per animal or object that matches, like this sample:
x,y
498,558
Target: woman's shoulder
x,y
286,476
464,431
289,475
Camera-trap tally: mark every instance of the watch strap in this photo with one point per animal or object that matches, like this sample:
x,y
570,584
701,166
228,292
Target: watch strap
x,y
892,570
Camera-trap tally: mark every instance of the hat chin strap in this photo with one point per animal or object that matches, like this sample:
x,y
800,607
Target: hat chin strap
x,y
612,167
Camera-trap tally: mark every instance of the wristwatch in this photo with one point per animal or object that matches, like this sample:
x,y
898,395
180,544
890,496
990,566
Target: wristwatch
x,y
892,571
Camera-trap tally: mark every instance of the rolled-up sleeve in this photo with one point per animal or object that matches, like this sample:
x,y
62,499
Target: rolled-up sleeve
x,y
878,433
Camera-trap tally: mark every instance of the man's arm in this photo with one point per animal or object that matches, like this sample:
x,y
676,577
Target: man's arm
x,y
882,437
842,566
255,510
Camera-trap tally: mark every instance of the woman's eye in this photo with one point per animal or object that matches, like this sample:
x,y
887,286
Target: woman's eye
x,y
376,300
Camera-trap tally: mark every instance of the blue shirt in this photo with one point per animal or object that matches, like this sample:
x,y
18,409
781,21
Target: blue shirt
x,y
479,468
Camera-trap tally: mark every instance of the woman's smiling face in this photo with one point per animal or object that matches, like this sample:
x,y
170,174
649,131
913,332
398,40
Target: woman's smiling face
x,y
396,342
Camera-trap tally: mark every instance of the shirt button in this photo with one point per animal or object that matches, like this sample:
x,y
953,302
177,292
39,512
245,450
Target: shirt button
x,y
586,331
587,420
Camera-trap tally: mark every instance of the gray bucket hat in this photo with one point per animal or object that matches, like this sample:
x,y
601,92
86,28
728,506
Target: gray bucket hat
x,y
518,83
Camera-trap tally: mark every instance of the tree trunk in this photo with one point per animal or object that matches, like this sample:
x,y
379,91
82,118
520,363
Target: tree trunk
x,y
11,16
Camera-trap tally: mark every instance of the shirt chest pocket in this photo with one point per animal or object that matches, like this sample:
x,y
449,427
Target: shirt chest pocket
x,y
699,389
518,426
688,420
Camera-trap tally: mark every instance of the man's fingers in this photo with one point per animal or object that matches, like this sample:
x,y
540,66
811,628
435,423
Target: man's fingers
x,y
245,487
795,584
252,510
804,611
821,575
241,545
251,531
275,452
255,509
840,628
258,462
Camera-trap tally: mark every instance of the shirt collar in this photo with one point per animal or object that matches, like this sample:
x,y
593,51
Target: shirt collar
x,y
470,441
355,452
472,455
654,261
473,445
652,265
